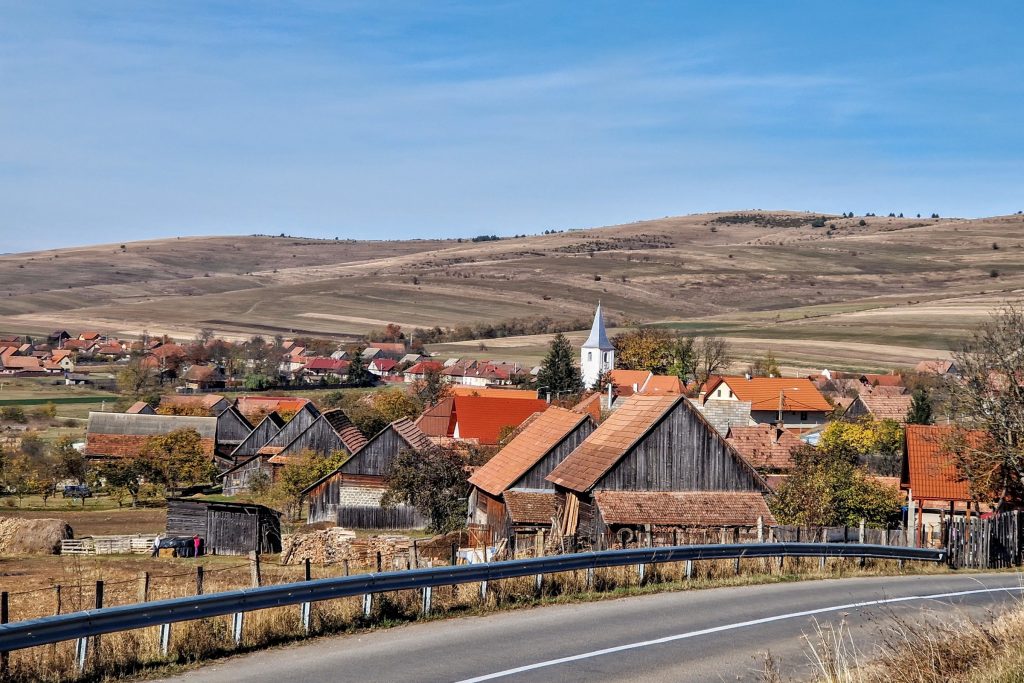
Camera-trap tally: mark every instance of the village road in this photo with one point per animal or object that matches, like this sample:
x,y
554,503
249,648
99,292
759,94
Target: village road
x,y
706,635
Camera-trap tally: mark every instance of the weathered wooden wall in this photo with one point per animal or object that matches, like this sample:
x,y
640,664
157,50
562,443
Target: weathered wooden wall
x,y
232,429
376,517
239,480
186,518
681,453
326,497
375,458
535,476
256,439
319,437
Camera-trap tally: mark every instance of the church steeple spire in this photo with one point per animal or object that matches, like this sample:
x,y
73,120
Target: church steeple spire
x,y
598,338
597,355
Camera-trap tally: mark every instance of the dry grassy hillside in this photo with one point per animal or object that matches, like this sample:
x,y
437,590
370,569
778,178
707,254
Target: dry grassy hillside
x,y
756,276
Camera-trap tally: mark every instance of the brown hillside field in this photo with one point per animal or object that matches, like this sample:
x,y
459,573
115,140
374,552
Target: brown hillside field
x,y
888,293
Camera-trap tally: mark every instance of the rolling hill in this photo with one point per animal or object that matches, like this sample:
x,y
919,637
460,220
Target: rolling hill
x,y
880,294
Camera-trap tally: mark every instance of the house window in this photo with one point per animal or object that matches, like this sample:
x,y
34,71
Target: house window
x,y
730,393
607,357
803,417
590,356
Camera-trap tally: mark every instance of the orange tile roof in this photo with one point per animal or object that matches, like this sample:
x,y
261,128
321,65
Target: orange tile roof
x,y
250,405
462,390
930,471
530,507
483,417
882,380
625,380
206,401
611,440
683,508
538,437
799,393
591,405
886,407
434,420
662,384
139,407
765,445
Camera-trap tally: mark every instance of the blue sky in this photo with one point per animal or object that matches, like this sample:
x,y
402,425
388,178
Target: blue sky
x,y
378,119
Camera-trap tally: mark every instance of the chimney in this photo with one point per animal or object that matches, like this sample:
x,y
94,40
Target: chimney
x,y
777,431
782,395
610,390
747,376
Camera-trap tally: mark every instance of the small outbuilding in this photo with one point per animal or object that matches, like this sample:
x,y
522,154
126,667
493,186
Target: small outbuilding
x,y
226,528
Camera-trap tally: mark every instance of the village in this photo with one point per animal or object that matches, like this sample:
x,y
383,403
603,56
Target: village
x,y
311,450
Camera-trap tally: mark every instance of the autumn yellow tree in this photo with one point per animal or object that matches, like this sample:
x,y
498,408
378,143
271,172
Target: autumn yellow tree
x,y
393,404
176,458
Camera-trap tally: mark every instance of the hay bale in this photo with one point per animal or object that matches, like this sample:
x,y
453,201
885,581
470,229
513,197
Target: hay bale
x,y
20,536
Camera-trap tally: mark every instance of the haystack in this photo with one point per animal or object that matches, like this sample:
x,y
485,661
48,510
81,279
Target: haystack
x,y
20,536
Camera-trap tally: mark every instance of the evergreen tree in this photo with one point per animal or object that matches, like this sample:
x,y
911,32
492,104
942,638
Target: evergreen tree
x,y
920,412
558,373
358,374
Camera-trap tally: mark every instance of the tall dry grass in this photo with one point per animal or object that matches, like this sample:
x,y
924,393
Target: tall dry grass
x,y
119,655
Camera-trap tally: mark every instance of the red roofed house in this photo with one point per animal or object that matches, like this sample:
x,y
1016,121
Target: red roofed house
x,y
937,367
765,446
510,491
656,466
322,367
870,380
795,399
879,407
477,374
383,367
480,419
935,488
418,371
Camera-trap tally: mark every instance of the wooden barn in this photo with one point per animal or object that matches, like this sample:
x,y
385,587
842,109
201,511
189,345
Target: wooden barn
x,y
331,432
232,428
116,435
544,441
350,496
226,528
306,415
649,446
256,439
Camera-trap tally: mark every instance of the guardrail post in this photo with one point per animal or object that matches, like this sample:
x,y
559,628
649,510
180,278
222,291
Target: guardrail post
x,y
58,603
689,569
165,639
237,622
641,572
5,615
428,596
821,563
306,608
590,578
736,566
81,654
367,604
538,583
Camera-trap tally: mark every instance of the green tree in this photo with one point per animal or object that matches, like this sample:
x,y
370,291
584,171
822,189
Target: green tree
x,y
358,374
878,444
827,489
683,358
920,411
647,348
257,382
435,482
176,458
393,404
126,475
767,366
433,387
297,475
71,463
558,373
136,378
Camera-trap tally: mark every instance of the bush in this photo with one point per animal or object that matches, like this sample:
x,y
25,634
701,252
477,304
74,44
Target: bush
x,y
862,222
12,413
818,223
993,273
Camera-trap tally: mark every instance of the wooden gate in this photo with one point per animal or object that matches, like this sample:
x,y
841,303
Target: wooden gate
x,y
985,543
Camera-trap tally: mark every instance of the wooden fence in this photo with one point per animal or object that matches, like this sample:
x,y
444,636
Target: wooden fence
x,y
372,517
985,543
107,545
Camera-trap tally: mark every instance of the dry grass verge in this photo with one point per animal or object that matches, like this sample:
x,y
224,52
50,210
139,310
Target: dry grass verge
x,y
135,653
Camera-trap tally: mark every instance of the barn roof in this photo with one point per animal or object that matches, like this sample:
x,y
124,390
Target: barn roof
x,y
349,433
542,433
125,434
765,445
140,407
930,471
683,508
263,432
530,507
250,405
207,401
434,420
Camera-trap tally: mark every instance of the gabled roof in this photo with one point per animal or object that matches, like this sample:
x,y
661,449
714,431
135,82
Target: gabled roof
x,y
327,365
882,380
207,401
483,417
798,393
938,367
411,434
343,426
124,434
683,508
249,405
885,407
493,392
930,472
765,445
662,384
383,364
540,435
611,441
434,420
262,433
424,365
21,362
598,338
724,414
625,380
140,407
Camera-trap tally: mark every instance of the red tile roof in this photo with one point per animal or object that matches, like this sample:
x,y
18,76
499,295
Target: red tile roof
x,y
493,392
683,508
765,445
206,401
327,365
424,365
662,384
886,407
345,429
591,405
435,420
483,417
530,507
252,405
139,407
625,380
538,437
930,471
798,393
882,380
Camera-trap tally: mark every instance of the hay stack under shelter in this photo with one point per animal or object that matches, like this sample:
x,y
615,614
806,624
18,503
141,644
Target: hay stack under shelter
x,y
32,536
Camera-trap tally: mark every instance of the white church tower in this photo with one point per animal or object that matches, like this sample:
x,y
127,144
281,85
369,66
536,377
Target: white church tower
x,y
597,355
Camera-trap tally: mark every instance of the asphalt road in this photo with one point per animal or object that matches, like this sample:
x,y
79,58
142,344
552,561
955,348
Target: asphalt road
x,y
707,635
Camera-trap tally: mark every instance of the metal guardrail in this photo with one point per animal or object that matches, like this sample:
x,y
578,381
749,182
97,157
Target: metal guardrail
x,y
81,625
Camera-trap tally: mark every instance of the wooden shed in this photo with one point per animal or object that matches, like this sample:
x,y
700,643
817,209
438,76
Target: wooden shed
x,y
226,528
351,495
256,439
331,432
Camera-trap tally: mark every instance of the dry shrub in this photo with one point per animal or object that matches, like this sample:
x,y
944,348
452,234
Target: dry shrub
x,y
32,536
195,641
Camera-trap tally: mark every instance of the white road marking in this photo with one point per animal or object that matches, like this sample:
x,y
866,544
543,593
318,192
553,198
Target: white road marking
x,y
726,627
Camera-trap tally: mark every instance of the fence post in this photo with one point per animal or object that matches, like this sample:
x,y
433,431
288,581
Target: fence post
x,y
254,565
305,608
58,603
237,623
346,567
428,595
143,587
380,562
415,555
5,615
199,579
455,554
99,605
